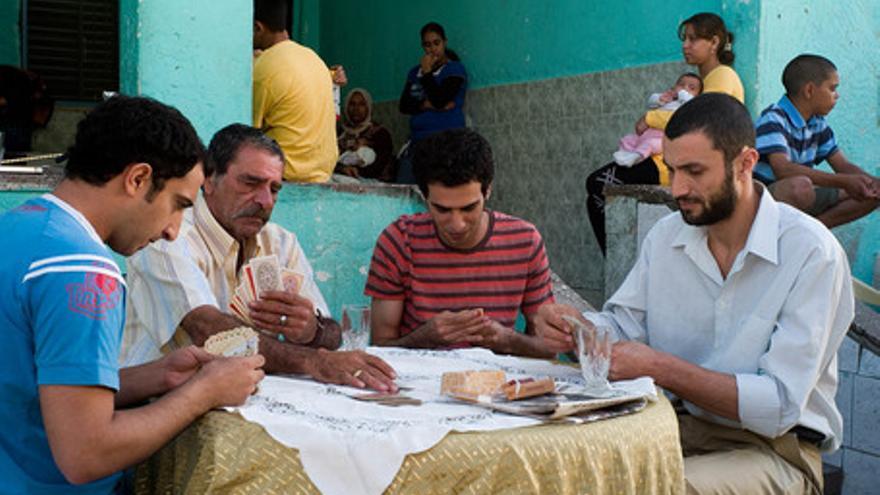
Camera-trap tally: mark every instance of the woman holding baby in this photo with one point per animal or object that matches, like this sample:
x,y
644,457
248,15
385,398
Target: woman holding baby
x,y
707,44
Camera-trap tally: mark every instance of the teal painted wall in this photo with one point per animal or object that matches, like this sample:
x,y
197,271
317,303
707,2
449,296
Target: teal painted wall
x,y
743,20
10,34
195,55
336,229
848,33
501,41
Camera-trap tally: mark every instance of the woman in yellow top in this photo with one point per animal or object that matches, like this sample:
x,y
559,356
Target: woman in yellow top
x,y
707,44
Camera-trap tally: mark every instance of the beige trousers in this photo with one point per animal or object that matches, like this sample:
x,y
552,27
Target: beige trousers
x,y
722,460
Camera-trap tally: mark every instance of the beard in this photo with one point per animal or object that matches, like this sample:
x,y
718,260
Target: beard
x,y
717,207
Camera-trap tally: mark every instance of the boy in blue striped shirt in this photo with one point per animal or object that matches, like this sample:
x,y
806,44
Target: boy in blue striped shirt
x,y
793,137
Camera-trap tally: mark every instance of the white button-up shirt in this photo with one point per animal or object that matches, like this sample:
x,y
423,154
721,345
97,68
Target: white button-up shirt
x,y
775,322
167,280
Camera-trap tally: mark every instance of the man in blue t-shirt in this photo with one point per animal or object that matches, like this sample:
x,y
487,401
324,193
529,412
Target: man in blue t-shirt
x,y
134,167
793,137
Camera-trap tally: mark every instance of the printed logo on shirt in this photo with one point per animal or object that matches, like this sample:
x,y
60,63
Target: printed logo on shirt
x,y
95,297
29,208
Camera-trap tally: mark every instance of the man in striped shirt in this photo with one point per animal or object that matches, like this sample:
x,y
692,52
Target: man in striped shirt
x,y
134,168
459,274
793,137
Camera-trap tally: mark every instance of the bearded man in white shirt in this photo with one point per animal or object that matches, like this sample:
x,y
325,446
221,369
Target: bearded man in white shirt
x,y
737,306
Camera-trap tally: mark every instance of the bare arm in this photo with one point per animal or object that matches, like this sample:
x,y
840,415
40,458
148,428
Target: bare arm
x,y
443,330
710,390
155,378
840,164
849,177
504,340
784,168
281,357
90,440
139,383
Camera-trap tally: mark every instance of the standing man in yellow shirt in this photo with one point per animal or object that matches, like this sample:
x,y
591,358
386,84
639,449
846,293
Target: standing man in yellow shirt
x,y
293,96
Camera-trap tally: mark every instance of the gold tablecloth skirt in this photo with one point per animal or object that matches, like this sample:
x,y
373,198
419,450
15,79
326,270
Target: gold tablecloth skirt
x,y
639,453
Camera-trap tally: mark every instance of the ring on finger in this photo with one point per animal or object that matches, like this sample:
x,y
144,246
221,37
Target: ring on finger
x,y
282,320
357,373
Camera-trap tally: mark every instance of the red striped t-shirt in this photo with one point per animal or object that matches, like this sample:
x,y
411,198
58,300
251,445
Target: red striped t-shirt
x,y
506,272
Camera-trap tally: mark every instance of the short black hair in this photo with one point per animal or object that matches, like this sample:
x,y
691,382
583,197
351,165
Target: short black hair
x,y
721,117
272,13
133,129
227,141
803,69
452,158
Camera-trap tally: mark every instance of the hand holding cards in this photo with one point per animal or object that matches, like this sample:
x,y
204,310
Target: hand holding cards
x,y
260,275
237,342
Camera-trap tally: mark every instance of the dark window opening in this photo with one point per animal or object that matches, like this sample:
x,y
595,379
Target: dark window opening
x,y
74,46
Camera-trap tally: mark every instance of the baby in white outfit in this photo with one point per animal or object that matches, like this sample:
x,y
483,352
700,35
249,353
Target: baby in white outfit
x,y
648,140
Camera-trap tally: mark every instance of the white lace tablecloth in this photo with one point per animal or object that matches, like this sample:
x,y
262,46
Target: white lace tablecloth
x,y
356,447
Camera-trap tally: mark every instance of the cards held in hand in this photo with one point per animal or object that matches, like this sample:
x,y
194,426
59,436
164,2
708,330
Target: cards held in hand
x,y
260,275
237,342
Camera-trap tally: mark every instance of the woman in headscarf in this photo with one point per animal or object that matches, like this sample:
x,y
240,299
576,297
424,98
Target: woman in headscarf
x,y
364,145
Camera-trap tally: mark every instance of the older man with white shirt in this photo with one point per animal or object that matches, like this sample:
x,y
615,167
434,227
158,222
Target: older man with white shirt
x,y
180,291
737,305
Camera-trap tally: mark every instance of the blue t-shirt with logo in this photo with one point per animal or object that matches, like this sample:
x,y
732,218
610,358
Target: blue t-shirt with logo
x,y
62,314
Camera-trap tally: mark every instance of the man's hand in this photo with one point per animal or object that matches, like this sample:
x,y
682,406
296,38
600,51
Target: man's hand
x,y
299,322
181,364
229,381
630,359
641,126
496,336
353,368
556,333
451,327
859,187
339,76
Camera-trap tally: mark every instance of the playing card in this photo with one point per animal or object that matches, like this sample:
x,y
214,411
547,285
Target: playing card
x,y
291,280
240,310
237,342
242,293
388,399
248,280
266,274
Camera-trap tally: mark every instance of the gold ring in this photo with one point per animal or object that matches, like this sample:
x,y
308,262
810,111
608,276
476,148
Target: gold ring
x,y
357,373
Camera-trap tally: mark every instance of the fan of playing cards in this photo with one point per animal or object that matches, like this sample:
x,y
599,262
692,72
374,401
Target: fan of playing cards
x,y
260,275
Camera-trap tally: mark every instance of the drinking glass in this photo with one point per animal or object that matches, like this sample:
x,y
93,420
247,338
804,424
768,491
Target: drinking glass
x,y
594,353
355,327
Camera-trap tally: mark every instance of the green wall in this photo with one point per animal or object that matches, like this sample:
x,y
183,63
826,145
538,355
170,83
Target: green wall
x,y
499,41
10,34
338,231
195,55
306,27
